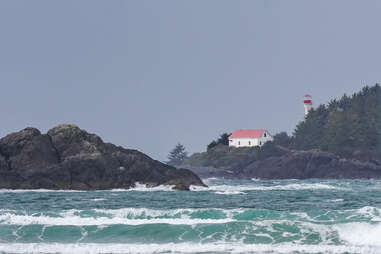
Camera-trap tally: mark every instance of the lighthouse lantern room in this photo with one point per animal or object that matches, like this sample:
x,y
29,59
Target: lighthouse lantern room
x,y
307,104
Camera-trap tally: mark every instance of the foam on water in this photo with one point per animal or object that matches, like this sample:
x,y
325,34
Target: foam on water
x,y
240,189
87,248
188,216
12,219
360,233
143,187
229,216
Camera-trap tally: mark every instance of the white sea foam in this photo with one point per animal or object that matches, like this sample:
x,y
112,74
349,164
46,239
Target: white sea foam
x,y
223,247
230,192
238,189
75,220
187,216
143,187
360,233
151,213
370,212
98,199
337,200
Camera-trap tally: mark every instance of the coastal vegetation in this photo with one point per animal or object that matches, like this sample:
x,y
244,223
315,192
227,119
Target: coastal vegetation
x,y
349,126
177,155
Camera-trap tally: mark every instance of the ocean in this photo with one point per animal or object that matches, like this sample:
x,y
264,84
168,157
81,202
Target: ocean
x,y
231,216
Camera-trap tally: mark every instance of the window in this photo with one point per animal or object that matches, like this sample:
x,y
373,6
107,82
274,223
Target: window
x,y
264,134
239,142
249,143
260,143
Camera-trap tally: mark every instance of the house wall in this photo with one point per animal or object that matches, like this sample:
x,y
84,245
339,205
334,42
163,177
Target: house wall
x,y
244,142
250,142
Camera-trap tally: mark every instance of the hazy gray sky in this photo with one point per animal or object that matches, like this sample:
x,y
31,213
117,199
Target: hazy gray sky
x,y
149,74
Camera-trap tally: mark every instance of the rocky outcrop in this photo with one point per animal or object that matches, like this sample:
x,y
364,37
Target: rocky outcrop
x,y
70,158
310,164
297,165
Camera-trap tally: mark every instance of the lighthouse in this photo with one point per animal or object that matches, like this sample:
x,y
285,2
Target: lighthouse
x,y
307,104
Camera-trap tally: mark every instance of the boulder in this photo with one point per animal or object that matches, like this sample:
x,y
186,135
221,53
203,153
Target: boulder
x,y
70,158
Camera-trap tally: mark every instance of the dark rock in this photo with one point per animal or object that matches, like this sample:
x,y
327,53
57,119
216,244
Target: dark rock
x,y
296,165
28,149
71,141
3,163
70,158
310,164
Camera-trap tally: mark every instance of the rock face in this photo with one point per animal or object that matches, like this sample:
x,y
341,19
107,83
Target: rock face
x,y
70,158
298,165
310,164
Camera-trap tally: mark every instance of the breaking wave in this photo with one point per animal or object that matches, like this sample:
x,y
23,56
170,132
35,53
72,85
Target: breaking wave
x,y
242,189
85,248
252,216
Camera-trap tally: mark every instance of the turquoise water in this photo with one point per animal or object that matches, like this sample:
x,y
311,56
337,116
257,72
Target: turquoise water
x,y
230,216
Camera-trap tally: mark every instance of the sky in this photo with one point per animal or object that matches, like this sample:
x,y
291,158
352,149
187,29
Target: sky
x,y
149,74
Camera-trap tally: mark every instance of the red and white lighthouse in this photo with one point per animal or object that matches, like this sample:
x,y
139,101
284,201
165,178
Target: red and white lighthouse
x,y
307,104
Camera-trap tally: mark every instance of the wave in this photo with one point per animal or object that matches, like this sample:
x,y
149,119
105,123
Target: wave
x,y
360,233
222,247
188,216
250,227
11,219
143,187
240,189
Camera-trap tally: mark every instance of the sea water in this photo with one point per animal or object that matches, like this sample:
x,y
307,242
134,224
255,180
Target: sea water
x,y
231,216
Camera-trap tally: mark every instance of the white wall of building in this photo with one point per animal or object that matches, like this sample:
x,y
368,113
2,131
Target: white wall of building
x,y
250,142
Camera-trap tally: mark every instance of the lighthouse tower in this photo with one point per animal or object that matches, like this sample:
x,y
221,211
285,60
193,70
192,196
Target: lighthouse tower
x,y
307,104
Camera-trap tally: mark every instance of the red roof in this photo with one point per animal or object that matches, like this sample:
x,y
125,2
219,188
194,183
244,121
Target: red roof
x,y
307,95
247,134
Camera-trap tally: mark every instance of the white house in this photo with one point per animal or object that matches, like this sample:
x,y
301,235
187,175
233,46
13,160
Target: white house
x,y
249,138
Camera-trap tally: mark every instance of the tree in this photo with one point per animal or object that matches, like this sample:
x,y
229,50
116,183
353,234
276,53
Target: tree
x,y
282,139
177,155
308,133
211,145
222,140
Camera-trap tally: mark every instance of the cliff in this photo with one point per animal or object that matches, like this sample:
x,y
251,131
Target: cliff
x,y
70,158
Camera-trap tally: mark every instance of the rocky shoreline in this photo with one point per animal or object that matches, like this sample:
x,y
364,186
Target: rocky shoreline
x,y
297,165
69,158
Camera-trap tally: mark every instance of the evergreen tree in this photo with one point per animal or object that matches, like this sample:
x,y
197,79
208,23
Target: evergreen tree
x,y
222,140
308,134
177,155
282,139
